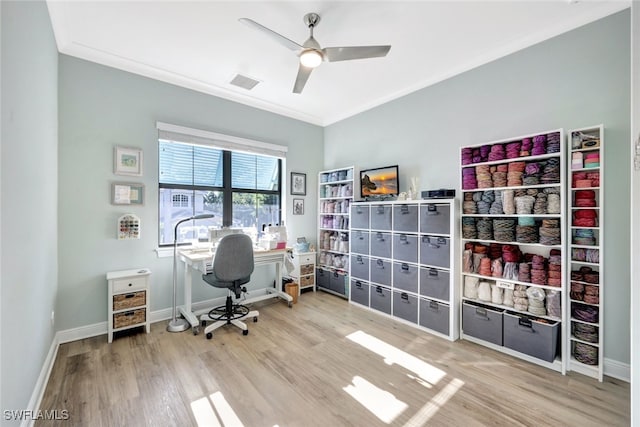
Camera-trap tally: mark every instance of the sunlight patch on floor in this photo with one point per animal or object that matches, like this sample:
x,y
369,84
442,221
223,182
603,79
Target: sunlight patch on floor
x,y
380,403
393,355
425,413
214,411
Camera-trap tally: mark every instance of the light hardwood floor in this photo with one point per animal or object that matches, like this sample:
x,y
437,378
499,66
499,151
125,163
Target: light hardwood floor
x,y
324,362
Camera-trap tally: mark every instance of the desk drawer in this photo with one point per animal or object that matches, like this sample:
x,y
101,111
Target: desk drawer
x,y
130,300
128,318
129,284
306,258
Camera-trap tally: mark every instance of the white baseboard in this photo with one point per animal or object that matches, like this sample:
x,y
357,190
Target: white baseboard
x,y
619,370
41,383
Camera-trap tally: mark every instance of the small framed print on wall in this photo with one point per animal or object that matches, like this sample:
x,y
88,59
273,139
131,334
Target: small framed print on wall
x,y
127,161
298,206
127,193
298,184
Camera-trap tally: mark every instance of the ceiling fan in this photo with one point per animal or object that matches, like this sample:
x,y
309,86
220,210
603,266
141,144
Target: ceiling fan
x,y
311,54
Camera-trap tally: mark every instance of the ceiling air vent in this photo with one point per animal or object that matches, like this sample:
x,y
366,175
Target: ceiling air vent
x,y
244,82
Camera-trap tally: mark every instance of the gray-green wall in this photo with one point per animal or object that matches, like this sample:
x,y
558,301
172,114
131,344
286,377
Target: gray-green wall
x,y
578,79
29,198
101,107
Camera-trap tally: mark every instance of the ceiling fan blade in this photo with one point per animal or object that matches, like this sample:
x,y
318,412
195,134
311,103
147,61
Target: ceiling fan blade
x,y
354,52
301,79
289,44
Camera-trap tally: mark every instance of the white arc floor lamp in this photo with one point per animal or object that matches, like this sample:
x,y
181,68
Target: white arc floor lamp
x,y
179,325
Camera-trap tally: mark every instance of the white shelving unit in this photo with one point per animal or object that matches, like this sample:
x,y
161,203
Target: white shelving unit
x,y
586,243
336,189
507,189
404,262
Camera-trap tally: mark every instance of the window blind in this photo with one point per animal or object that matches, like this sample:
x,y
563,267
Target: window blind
x,y
212,139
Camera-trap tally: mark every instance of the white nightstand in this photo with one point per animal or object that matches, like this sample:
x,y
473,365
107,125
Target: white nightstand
x,y
304,271
128,302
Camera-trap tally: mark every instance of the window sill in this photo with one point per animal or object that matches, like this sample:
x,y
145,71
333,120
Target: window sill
x,y
164,252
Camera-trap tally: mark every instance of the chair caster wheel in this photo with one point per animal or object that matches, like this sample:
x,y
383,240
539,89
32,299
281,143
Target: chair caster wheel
x,y
209,335
255,319
290,304
245,332
196,330
203,323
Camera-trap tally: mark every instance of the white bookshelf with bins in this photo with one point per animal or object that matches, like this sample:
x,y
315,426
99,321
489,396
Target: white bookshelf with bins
x,y
336,194
513,247
586,240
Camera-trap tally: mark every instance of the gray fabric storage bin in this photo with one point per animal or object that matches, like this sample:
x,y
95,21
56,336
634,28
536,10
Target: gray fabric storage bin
x,y
337,282
435,218
380,298
405,218
405,277
434,315
528,336
482,322
380,271
360,242
434,283
435,251
380,217
405,306
359,216
360,292
360,267
405,247
380,244
322,278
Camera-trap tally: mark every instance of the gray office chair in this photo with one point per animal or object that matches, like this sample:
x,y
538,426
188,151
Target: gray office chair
x,y
232,268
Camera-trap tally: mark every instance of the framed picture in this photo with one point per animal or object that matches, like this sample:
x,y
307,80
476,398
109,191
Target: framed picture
x,y
298,206
298,183
127,161
127,193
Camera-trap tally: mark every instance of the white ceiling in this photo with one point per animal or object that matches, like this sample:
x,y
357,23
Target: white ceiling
x,y
202,46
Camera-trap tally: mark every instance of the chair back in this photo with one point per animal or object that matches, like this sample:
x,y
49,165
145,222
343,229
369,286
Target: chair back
x,y
233,259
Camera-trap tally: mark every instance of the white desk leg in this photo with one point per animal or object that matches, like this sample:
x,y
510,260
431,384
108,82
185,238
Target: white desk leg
x,y
276,289
185,309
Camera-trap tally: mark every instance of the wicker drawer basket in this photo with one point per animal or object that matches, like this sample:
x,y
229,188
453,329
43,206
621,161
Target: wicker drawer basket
x,y
128,318
133,299
306,269
306,281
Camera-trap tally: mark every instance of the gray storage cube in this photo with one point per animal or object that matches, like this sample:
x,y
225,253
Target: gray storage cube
x,y
359,216
337,282
528,336
360,267
380,271
434,283
434,315
380,244
360,292
360,242
405,277
381,298
405,306
435,251
322,278
405,247
405,218
482,322
380,217
435,219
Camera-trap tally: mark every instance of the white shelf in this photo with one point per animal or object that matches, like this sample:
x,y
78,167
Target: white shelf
x,y
561,362
595,371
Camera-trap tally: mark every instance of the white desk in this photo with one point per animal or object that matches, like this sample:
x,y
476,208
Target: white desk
x,y
198,260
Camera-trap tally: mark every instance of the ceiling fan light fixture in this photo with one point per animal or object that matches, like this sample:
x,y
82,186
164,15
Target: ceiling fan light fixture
x,y
310,58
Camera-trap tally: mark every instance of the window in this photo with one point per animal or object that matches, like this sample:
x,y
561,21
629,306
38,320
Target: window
x,y
240,189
